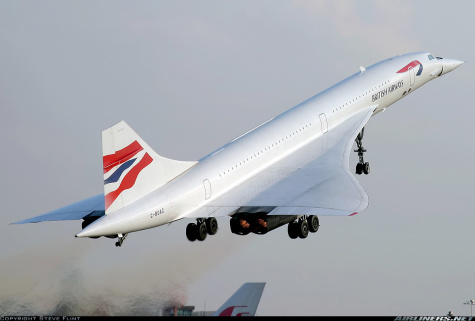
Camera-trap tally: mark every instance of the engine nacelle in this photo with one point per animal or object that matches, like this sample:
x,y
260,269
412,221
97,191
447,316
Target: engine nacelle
x,y
258,223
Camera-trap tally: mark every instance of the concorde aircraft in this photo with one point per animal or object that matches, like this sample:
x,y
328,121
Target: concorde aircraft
x,y
286,171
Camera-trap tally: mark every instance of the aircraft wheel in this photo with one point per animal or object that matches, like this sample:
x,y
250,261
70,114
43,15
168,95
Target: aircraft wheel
x,y
293,230
191,232
211,225
359,168
303,229
366,168
313,223
202,232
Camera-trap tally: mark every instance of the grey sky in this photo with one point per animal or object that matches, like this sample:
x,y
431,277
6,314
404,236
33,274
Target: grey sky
x,y
188,76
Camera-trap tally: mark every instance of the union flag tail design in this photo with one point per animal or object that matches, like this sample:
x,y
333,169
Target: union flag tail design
x,y
131,168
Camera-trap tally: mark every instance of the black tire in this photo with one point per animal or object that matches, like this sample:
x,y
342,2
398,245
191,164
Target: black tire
x,y
191,232
359,168
293,230
313,223
211,225
303,229
202,232
366,168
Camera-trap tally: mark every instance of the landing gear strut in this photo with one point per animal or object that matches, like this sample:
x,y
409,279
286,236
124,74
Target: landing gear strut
x,y
120,239
361,167
202,227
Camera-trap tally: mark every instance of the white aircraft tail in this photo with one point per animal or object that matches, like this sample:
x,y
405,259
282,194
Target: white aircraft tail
x,y
131,168
243,302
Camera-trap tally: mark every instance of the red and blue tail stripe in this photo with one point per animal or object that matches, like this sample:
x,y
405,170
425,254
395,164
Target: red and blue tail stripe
x,y
124,158
118,173
121,156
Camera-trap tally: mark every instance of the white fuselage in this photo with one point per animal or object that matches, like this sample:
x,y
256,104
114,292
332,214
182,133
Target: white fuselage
x,y
218,173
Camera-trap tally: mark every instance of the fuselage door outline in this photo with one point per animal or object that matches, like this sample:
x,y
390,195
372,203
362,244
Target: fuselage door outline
x,y
207,186
324,123
412,75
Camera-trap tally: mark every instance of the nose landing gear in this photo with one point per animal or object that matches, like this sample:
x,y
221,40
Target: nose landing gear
x,y
362,166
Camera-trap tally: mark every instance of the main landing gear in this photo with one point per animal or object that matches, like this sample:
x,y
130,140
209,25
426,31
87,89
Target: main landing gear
x,y
361,167
302,226
202,227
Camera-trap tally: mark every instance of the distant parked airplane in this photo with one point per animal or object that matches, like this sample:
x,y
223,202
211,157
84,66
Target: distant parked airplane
x,y
288,170
243,302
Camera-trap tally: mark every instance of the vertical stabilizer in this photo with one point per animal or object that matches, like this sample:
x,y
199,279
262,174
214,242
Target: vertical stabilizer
x,y
243,302
131,168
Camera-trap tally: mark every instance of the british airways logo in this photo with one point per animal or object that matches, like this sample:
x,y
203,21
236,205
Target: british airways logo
x,y
115,165
387,90
412,64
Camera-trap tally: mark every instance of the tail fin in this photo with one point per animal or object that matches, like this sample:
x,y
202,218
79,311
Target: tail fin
x,y
131,168
243,302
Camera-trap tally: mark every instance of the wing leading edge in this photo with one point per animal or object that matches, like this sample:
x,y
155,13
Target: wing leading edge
x,y
315,180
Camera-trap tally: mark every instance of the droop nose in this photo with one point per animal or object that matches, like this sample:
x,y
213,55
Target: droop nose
x,y
449,64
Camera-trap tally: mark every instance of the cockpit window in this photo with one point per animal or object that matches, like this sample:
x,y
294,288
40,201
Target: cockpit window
x,y
430,57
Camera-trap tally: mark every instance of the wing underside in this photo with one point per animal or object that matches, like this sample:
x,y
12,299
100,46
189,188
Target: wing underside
x,y
315,180
88,208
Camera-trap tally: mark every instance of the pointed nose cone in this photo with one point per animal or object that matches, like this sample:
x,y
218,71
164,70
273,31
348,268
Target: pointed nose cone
x,y
450,64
